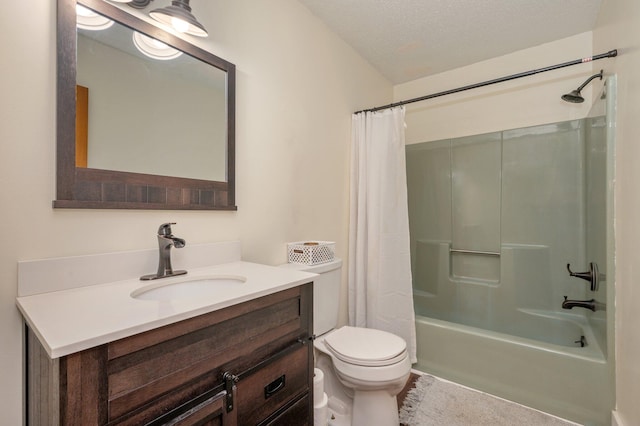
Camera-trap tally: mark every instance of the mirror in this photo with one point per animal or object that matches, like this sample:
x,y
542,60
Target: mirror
x,y
173,121
138,132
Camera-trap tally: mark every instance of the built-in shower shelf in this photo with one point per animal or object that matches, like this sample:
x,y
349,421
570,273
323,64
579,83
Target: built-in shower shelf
x,y
480,253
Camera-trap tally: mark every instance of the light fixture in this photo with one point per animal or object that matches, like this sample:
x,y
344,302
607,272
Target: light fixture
x,y
87,19
179,16
154,48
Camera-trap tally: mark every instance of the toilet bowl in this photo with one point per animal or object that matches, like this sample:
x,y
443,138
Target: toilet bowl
x,y
364,369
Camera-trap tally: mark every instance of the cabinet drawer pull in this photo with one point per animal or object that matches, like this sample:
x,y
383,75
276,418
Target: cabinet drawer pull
x,y
274,387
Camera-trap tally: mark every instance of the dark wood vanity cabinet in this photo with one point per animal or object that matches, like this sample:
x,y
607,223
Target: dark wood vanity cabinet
x,y
247,364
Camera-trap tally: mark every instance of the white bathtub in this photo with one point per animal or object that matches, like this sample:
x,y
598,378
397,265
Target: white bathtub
x,y
569,382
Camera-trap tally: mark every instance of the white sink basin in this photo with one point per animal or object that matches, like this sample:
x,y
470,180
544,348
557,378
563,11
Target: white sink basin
x,y
188,287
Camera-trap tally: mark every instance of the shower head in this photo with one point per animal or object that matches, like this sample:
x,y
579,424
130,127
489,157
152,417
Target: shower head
x,y
574,96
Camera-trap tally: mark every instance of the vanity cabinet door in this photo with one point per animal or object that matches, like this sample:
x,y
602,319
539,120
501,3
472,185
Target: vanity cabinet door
x,y
295,414
210,412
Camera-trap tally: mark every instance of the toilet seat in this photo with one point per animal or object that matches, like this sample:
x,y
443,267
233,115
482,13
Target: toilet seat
x,y
366,347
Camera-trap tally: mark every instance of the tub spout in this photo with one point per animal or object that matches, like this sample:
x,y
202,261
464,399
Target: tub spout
x,y
587,304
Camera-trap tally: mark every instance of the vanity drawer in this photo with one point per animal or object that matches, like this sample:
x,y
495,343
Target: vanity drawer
x,y
273,386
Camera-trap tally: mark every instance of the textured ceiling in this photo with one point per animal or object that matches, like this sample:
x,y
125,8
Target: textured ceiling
x,y
409,39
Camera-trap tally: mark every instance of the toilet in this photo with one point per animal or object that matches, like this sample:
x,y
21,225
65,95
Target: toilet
x,y
364,369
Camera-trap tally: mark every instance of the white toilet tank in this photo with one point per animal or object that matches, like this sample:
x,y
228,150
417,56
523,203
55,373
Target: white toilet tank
x,y
326,293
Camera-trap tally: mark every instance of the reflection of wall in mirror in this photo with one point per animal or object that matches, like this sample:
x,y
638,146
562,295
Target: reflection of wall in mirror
x,y
136,127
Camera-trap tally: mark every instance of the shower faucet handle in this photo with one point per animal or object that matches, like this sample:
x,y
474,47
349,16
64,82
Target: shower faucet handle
x,y
592,275
583,275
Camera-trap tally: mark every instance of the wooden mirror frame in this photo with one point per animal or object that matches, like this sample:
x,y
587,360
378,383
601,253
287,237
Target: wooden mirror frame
x,y
78,187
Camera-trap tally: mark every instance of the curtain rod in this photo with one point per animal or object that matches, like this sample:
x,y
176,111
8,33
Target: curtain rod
x,y
609,54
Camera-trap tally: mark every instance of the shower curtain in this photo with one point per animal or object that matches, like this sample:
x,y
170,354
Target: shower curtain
x,y
380,289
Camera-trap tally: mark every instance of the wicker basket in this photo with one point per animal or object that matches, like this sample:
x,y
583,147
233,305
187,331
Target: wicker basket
x,y
311,252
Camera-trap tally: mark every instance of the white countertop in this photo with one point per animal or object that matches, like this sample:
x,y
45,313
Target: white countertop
x,y
72,320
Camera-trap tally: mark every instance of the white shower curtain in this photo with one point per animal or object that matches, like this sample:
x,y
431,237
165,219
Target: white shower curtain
x,y
380,290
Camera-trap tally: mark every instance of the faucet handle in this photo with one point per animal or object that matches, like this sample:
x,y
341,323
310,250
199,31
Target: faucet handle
x,y
165,229
592,275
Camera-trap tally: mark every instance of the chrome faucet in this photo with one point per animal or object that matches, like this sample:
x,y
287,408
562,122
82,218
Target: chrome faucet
x,y
165,240
587,304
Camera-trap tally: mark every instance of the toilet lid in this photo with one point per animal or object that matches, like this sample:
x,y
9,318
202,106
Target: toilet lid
x,y
366,346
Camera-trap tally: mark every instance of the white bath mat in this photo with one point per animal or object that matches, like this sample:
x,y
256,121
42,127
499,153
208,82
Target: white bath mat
x,y
436,402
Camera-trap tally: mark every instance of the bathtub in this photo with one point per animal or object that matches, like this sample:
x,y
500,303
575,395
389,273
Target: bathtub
x,y
565,380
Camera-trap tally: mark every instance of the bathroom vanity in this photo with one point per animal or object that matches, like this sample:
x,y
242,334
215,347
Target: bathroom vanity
x,y
98,355
245,364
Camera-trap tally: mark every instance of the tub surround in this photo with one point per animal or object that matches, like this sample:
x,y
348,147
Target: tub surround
x,y
76,303
546,202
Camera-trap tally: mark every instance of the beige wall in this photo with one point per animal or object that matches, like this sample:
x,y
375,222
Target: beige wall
x,y
619,27
514,104
297,87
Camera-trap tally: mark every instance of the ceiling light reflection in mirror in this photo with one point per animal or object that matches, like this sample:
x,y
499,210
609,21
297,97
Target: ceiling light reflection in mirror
x,y
158,117
87,19
154,48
